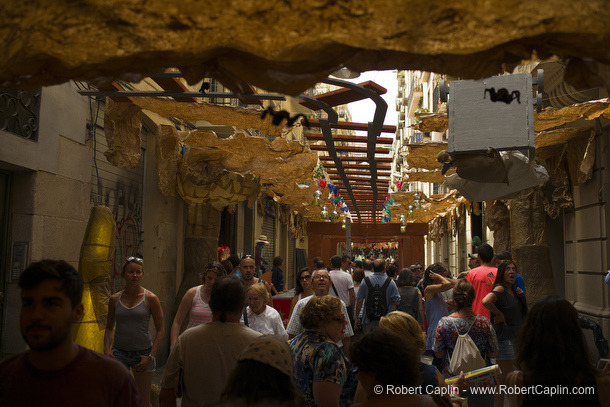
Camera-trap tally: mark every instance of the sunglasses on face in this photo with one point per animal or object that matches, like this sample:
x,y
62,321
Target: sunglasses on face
x,y
305,278
133,259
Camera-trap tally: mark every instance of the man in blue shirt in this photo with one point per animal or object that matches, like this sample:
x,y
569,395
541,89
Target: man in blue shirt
x,y
391,295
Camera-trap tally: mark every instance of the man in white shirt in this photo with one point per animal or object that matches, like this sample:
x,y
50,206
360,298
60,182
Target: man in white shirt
x,y
321,281
346,264
203,357
343,285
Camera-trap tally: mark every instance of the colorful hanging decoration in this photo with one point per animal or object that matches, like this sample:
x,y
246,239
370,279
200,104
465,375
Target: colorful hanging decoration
x,y
223,253
386,211
324,213
338,202
417,200
317,198
398,185
333,190
334,216
403,224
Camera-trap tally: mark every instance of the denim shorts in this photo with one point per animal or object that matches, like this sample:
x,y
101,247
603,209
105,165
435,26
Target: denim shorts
x,y
130,358
506,349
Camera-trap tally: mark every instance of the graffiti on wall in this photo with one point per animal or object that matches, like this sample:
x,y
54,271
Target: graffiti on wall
x,y
125,202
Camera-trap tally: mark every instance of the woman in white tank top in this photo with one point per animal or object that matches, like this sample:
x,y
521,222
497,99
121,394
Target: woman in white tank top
x,y
130,309
195,302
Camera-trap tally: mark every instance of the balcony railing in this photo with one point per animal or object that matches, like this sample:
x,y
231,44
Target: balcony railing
x,y
20,112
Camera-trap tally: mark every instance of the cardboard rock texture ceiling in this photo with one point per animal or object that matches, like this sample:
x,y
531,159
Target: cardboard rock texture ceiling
x,y
289,46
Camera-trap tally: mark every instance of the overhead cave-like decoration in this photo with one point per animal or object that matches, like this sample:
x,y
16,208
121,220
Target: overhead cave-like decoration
x,y
497,219
427,176
237,116
122,127
289,46
547,119
219,172
431,207
552,117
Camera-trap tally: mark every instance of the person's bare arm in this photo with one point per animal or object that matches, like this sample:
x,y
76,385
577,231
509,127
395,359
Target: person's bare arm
x,y
183,310
439,284
154,305
352,297
326,394
357,321
421,309
270,289
489,302
292,304
109,332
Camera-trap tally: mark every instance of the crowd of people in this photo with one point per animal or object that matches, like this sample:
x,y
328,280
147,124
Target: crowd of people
x,y
363,333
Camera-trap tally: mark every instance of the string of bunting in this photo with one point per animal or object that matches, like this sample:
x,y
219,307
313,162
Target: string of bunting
x,y
386,208
335,197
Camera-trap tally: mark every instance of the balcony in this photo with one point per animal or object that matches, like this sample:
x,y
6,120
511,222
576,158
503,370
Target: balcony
x,y
20,112
414,98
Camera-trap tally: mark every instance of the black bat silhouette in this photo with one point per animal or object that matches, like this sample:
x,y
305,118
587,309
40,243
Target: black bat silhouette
x,y
205,86
283,114
502,95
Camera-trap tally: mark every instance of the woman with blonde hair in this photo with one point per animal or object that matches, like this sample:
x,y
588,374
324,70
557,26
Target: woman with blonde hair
x,y
261,317
406,326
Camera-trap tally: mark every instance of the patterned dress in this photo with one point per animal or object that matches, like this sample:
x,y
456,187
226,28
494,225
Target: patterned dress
x,y
482,333
318,359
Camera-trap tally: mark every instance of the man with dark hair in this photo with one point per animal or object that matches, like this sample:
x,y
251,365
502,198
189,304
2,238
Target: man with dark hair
x,y
482,278
277,275
55,369
370,285
391,270
199,365
346,264
318,263
234,259
418,274
343,285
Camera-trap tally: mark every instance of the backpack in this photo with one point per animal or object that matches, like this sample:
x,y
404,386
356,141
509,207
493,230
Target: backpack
x,y
466,356
376,302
